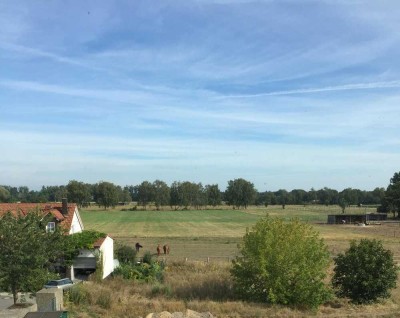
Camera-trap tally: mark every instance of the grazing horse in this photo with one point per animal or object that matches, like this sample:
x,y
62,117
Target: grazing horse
x,y
158,250
166,249
138,246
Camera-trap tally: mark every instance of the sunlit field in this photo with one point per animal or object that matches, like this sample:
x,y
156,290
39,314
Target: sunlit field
x,y
215,233
203,243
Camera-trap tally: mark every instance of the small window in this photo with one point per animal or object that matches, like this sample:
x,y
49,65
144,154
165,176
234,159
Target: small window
x,y
51,227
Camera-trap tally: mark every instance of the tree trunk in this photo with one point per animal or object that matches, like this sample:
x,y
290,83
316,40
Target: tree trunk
x,y
15,294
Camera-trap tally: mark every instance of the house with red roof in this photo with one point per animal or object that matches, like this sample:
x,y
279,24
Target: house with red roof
x,y
66,215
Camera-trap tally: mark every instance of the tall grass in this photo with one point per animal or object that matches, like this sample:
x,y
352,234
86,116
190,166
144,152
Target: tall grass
x,y
201,287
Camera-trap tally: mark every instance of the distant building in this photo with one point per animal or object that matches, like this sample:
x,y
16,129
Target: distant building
x,y
356,218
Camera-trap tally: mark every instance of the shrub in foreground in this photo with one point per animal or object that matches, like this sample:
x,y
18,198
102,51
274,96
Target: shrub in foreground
x,y
125,254
142,272
282,263
365,272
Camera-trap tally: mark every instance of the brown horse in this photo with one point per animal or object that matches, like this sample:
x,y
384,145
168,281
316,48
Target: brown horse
x,y
166,249
138,246
158,250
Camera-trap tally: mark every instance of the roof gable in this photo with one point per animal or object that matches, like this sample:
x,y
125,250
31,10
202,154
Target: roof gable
x,y
55,209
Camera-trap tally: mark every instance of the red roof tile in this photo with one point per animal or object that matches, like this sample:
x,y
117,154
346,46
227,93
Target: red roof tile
x,y
54,208
99,242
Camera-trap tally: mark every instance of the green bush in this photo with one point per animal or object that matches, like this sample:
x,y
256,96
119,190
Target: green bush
x,y
282,263
125,254
142,272
148,258
365,272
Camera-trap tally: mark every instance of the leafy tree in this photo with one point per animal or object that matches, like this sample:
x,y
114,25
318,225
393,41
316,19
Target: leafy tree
x,y
327,196
4,194
342,204
124,196
106,194
312,196
79,193
161,193
145,193
192,194
283,197
282,263
240,193
392,195
175,196
27,252
365,272
132,192
378,195
213,194
298,196
351,196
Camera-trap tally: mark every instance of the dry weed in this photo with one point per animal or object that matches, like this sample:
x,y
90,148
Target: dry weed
x,y
204,287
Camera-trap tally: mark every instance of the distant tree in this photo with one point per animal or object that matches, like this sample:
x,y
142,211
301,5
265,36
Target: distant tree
x,y
298,196
125,196
132,192
27,252
271,198
261,198
378,195
4,194
79,192
161,194
190,194
282,263
327,196
283,197
392,195
343,204
365,272
23,194
312,196
53,193
240,193
175,196
145,193
350,196
213,194
107,194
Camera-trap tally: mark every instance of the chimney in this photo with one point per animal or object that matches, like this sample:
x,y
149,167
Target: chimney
x,y
64,210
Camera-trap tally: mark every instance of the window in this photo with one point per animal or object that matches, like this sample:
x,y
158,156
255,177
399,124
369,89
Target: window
x,y
51,227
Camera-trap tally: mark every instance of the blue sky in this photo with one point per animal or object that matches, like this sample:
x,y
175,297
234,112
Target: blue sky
x,y
286,94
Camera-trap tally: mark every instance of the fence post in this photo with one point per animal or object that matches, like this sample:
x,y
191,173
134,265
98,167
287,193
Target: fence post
x,y
208,260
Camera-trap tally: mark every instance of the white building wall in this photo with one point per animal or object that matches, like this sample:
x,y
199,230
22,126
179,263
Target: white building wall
x,y
76,225
107,252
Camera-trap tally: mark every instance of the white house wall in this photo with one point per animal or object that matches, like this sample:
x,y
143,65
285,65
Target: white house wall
x,y
76,224
107,252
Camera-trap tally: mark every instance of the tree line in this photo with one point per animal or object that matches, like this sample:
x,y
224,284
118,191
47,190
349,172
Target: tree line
x,y
184,195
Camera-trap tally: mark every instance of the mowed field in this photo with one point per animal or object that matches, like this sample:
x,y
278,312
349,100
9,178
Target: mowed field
x,y
215,234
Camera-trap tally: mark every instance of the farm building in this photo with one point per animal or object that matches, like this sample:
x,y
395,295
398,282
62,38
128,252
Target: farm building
x,y
356,218
67,216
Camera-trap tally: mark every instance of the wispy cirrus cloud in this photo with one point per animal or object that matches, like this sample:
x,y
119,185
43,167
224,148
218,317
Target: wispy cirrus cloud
x,y
355,86
284,93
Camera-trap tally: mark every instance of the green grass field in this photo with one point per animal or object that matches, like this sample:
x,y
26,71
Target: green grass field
x,y
215,234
